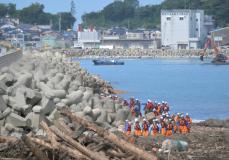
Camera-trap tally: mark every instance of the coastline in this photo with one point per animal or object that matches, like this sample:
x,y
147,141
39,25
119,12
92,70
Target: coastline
x,y
46,68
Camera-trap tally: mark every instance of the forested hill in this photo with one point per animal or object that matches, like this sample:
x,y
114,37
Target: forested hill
x,y
34,14
130,14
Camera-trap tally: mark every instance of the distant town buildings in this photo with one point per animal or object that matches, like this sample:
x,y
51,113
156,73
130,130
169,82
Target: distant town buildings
x,y
185,29
117,37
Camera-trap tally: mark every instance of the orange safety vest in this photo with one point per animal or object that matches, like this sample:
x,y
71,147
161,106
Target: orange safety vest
x,y
155,130
183,128
137,131
128,132
169,130
163,128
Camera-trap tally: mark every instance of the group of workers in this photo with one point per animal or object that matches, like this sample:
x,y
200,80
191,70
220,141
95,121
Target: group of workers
x,y
163,123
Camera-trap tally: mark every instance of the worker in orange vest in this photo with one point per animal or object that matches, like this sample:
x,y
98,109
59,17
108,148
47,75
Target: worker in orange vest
x,y
188,120
148,106
128,129
154,128
163,127
145,128
137,128
169,130
183,127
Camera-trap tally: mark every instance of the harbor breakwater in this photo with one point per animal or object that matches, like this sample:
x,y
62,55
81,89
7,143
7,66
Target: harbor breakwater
x,y
36,86
133,53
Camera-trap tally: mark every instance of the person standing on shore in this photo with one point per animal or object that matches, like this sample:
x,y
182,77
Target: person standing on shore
x,y
145,128
154,129
148,106
169,130
188,121
137,128
128,130
137,108
183,127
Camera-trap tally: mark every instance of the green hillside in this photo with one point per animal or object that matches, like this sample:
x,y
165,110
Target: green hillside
x,y
130,14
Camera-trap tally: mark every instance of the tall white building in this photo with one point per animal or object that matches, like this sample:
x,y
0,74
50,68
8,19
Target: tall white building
x,y
184,29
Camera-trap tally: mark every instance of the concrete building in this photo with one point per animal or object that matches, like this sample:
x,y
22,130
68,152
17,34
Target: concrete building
x,y
184,29
88,39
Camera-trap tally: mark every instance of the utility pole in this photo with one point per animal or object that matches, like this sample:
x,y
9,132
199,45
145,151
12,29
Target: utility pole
x,y
60,22
73,10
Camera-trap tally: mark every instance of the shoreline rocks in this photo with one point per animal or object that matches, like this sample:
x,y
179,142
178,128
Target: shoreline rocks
x,y
133,53
35,87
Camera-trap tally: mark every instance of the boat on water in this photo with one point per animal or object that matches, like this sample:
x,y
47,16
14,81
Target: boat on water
x,y
107,62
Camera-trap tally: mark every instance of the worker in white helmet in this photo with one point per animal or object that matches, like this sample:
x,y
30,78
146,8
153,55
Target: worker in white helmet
x,y
145,128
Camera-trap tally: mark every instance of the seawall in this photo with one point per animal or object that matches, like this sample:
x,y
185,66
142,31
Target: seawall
x,y
9,58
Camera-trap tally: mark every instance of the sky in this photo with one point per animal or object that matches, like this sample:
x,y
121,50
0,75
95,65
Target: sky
x,y
82,6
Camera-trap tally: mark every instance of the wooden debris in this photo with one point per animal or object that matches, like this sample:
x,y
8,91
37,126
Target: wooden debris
x,y
125,146
39,154
78,146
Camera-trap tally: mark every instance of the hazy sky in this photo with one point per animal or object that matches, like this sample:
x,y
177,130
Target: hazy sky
x,y
82,6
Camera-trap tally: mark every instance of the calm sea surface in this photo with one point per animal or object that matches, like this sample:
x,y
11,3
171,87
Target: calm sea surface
x,y
188,85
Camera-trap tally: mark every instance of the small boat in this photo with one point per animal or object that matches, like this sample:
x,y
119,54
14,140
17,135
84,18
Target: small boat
x,y
107,62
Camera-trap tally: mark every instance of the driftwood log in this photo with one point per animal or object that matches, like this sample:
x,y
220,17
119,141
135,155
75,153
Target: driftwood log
x,y
78,146
128,147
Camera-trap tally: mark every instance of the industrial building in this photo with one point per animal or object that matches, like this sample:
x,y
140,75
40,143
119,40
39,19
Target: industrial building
x,y
185,28
141,39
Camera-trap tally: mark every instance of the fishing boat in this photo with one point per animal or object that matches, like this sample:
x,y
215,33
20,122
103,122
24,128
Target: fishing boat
x,y
107,62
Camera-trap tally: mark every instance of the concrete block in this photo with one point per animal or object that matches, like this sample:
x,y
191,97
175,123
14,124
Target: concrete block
x,y
64,83
75,108
54,115
118,106
111,117
7,79
122,114
3,88
87,95
103,117
2,104
17,120
60,105
5,113
87,111
58,94
109,105
73,98
24,80
96,113
56,100
47,106
32,97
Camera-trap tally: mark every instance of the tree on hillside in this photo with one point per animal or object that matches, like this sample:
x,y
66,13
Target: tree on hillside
x,y
7,9
34,14
67,20
132,3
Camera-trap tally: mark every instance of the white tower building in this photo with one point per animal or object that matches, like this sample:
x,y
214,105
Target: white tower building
x,y
184,29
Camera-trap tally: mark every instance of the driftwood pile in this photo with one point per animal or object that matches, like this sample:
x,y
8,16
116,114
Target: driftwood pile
x,y
89,141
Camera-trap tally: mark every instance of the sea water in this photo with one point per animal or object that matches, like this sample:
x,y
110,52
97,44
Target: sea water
x,y
188,85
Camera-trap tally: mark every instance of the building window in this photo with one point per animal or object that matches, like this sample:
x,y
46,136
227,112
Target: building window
x,y
196,20
168,18
181,18
197,29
